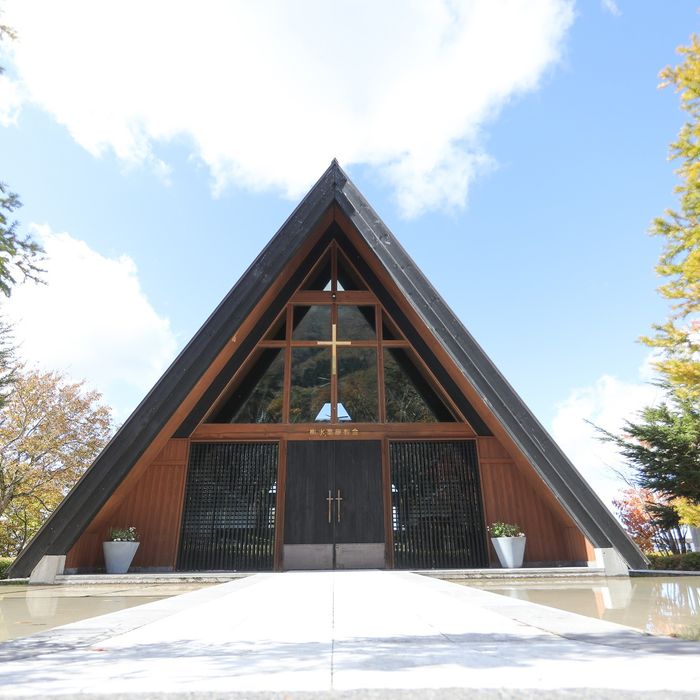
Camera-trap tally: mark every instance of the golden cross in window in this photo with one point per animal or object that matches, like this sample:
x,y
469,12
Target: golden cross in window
x,y
333,342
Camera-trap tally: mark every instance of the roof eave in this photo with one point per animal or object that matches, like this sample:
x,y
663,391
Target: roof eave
x,y
62,528
526,432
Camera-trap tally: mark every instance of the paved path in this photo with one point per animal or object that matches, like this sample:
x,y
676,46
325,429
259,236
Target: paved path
x,y
342,633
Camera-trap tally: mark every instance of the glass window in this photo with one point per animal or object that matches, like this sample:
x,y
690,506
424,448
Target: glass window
x,y
311,384
278,330
357,385
311,323
348,279
320,277
409,396
389,330
356,323
258,396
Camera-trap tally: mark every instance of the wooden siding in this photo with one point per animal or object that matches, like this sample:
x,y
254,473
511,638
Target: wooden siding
x,y
512,490
151,496
153,505
515,495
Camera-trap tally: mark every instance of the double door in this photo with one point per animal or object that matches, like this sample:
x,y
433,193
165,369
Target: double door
x,y
334,516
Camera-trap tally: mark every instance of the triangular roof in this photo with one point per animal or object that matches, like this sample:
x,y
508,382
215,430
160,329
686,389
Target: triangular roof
x,y
334,191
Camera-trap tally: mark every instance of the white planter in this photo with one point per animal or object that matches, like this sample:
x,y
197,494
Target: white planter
x,y
119,555
510,551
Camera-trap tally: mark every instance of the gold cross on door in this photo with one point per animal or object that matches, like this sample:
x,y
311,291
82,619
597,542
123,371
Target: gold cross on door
x,y
334,342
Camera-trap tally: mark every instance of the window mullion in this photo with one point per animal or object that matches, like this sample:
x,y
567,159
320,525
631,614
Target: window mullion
x,y
334,377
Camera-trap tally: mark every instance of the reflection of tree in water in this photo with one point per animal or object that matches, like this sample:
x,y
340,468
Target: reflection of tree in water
x,y
671,603
655,605
659,605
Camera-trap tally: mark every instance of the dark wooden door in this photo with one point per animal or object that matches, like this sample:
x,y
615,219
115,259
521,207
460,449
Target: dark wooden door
x,y
333,505
308,517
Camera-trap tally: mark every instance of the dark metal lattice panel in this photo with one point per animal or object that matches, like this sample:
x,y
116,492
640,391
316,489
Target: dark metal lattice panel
x,y
229,515
438,518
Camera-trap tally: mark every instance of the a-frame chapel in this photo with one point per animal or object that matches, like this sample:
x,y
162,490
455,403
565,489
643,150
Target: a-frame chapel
x,y
331,413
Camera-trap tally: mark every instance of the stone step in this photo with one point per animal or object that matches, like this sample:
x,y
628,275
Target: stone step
x,y
224,576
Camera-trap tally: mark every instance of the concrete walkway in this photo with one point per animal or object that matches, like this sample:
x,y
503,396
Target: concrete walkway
x,y
364,634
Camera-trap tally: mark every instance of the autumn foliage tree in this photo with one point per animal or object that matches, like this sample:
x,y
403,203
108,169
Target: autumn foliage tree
x,y
50,432
632,508
663,448
688,512
679,264
8,360
650,520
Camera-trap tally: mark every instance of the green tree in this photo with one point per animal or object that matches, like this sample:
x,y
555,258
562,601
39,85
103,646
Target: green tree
x,y
16,253
663,453
679,337
663,448
50,432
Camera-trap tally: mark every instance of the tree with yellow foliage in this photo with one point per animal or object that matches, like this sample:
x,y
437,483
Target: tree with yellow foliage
x,y
688,511
679,337
50,432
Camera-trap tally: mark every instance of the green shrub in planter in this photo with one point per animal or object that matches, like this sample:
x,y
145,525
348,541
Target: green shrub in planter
x,y
675,562
505,530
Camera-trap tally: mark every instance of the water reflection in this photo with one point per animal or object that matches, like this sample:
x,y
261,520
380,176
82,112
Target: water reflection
x,y
28,609
653,604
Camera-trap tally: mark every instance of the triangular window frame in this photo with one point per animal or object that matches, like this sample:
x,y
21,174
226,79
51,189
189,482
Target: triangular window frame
x,y
335,299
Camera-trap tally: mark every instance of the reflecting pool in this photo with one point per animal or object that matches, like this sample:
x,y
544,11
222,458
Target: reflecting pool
x,y
654,604
28,609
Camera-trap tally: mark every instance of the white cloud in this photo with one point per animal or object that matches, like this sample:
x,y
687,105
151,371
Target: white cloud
x,y
268,93
607,403
611,7
91,320
10,101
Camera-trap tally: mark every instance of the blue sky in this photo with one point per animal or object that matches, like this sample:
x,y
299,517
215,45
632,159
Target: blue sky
x,y
518,150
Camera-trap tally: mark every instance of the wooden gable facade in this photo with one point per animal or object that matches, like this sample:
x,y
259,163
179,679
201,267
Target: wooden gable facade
x,y
332,412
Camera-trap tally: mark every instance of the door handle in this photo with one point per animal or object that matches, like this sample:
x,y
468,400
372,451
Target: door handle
x,y
330,505
338,498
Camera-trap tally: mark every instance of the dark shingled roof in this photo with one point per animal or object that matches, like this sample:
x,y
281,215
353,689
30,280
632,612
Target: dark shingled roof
x,y
81,505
